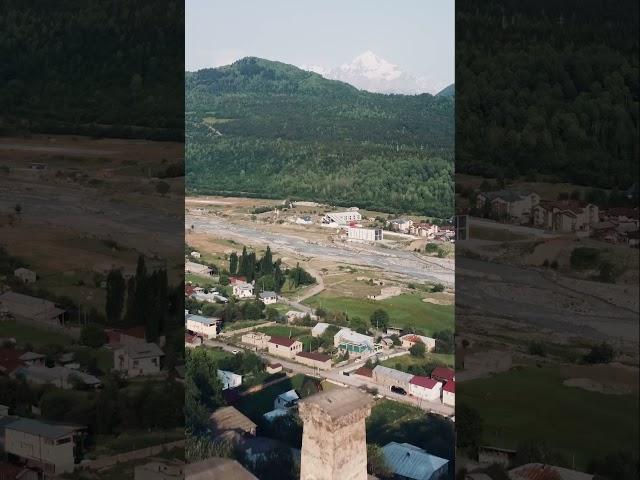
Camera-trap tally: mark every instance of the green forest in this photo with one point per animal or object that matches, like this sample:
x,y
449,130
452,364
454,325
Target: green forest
x,y
267,129
96,68
551,88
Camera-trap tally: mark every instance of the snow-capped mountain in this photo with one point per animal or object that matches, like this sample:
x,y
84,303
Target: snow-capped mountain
x,y
374,74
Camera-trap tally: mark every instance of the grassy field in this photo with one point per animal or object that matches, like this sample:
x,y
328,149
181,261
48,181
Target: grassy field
x,y
576,421
283,331
199,280
28,333
396,422
406,360
133,440
259,403
229,327
404,310
497,234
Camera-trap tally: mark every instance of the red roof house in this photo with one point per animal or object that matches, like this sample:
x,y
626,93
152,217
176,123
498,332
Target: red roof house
x,y
424,382
443,374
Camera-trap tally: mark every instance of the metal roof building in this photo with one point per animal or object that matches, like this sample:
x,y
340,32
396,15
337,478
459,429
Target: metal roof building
x,y
410,462
390,377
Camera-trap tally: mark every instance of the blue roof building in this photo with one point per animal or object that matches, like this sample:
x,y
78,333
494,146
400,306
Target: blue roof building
x,y
409,462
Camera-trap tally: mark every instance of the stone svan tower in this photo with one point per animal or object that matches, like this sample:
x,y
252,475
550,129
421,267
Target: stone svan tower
x,y
334,444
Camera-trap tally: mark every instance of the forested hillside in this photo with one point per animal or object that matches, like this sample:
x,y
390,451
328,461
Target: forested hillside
x,y
100,68
546,87
268,129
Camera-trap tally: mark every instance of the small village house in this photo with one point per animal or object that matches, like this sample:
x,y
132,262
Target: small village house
x,y
195,254
229,379
411,339
319,328
389,377
402,225
197,268
46,445
273,368
61,377
443,374
565,216
25,275
138,359
354,343
284,347
286,400
365,234
409,462
228,420
494,455
31,308
242,290
204,326
509,205
314,360
268,298
449,394
257,339
425,388
192,341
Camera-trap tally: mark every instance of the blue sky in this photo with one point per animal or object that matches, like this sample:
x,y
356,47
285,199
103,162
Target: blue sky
x,y
417,35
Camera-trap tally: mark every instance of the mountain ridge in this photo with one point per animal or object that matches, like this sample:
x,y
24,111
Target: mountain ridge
x,y
249,122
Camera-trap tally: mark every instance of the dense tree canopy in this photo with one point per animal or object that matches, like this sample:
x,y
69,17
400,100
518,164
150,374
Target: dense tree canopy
x,y
263,128
547,87
99,68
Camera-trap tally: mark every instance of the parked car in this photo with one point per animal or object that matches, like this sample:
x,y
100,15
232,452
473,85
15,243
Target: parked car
x,y
398,390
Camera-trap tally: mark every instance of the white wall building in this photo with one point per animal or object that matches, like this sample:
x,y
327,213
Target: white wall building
x,y
411,339
342,218
138,359
365,234
425,388
449,394
354,343
268,298
243,290
197,268
229,379
319,328
205,326
25,275
50,446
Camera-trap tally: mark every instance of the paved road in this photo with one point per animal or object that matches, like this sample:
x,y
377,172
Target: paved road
x,y
351,380
391,260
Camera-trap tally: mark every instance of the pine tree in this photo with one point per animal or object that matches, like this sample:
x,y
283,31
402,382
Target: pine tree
x,y
130,315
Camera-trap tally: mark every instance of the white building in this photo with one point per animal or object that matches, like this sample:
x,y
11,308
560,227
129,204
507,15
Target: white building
x,y
449,394
286,400
197,268
356,344
410,462
319,328
243,290
342,218
25,275
411,339
49,446
284,347
205,326
209,297
364,234
31,308
229,379
402,225
268,298
138,359
61,377
425,388
510,205
566,216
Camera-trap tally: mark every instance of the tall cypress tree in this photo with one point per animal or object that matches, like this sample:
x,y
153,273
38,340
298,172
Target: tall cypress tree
x,y
142,293
130,315
115,296
233,263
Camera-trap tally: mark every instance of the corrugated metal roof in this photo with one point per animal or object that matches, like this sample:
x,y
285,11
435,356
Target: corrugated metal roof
x,y
208,321
34,427
411,462
397,375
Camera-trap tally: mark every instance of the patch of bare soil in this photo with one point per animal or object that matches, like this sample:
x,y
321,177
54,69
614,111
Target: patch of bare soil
x,y
612,379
